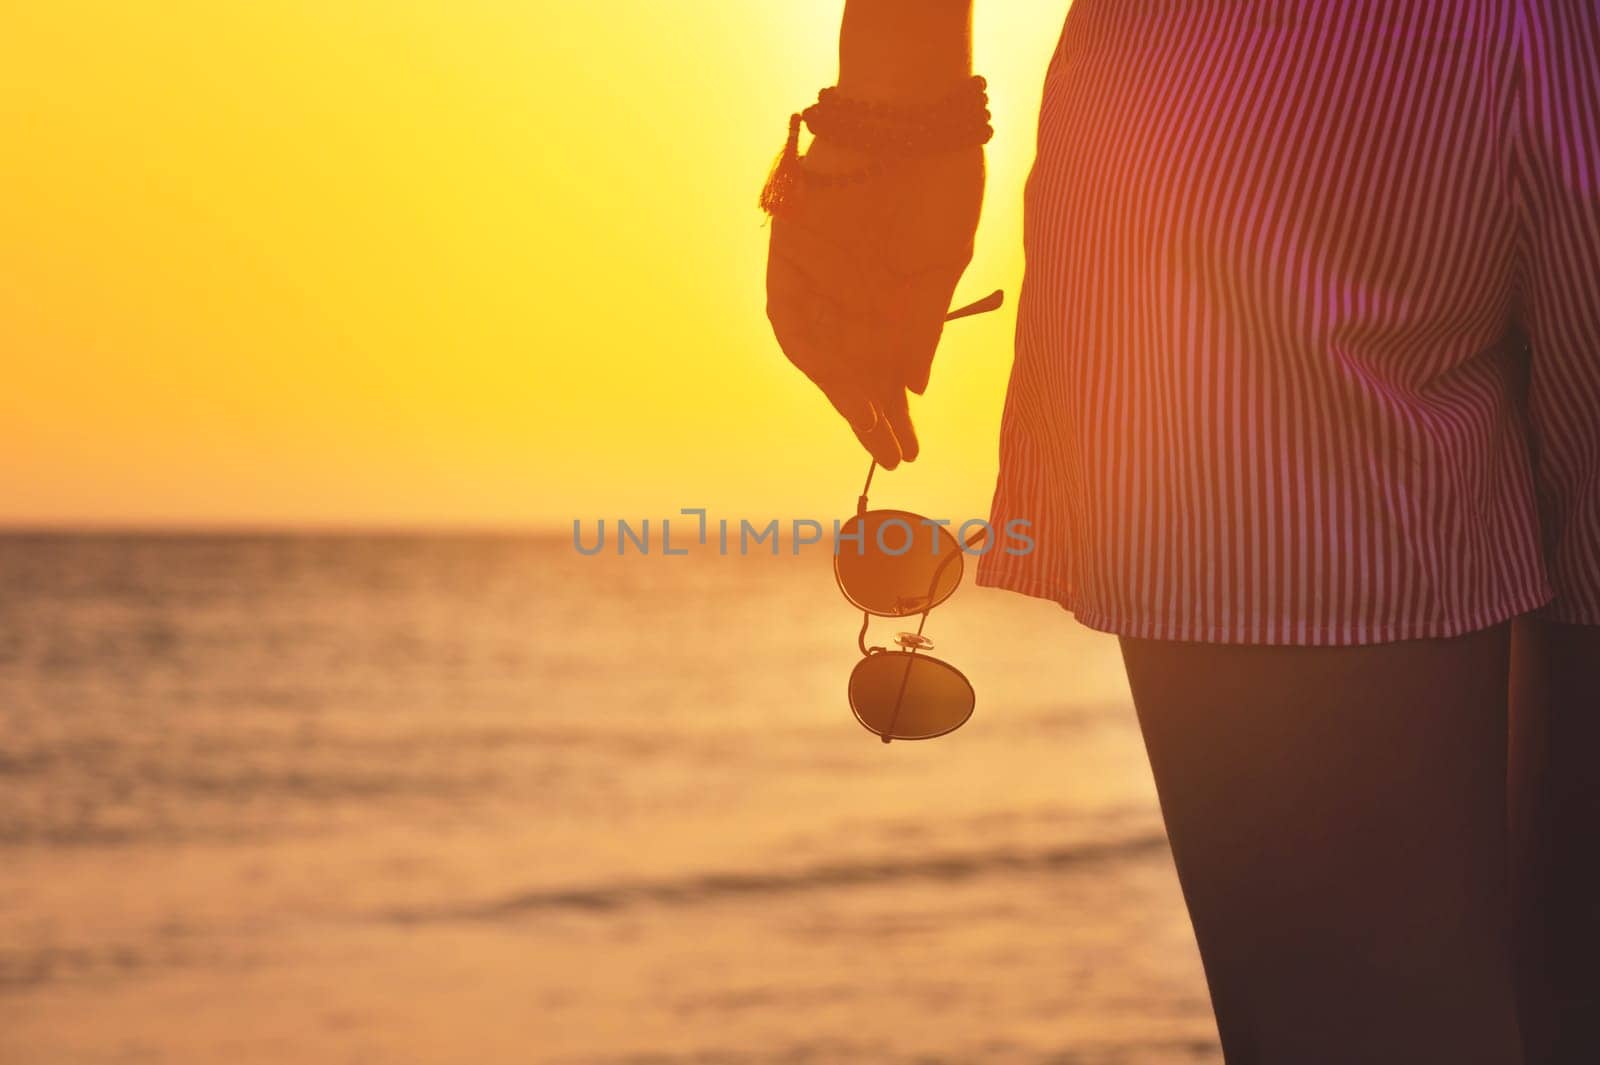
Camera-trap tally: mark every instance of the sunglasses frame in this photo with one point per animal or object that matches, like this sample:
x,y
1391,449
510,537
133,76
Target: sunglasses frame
x,y
879,653
912,644
946,541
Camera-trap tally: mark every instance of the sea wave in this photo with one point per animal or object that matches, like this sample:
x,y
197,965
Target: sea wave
x,y
718,886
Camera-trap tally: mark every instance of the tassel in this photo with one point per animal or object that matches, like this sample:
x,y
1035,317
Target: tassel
x,y
783,182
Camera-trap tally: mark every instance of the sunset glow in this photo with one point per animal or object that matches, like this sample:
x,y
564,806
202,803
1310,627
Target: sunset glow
x,y
468,263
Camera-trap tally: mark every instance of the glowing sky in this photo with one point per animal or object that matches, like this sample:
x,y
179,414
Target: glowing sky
x,y
473,262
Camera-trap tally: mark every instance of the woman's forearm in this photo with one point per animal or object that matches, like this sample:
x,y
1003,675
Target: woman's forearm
x,y
904,51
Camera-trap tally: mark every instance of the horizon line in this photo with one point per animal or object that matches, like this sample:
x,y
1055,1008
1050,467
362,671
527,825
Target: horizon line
x,y
257,527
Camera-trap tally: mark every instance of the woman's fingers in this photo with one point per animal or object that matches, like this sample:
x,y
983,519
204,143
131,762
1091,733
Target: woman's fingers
x,y
867,419
872,344
854,332
880,442
848,397
853,405
924,325
892,405
813,336
920,305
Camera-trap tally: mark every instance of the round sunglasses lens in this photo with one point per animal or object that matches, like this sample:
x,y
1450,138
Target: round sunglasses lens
x,y
893,563
909,697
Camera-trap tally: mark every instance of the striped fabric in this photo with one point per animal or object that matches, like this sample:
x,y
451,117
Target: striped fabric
x,y
1308,348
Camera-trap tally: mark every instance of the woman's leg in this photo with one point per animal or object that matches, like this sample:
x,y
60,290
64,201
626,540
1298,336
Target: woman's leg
x,y
1338,819
1556,807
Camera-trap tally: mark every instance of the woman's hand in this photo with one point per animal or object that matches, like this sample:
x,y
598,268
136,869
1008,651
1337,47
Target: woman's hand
x,y
859,277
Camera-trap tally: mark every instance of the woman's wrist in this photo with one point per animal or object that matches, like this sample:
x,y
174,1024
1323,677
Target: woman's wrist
x,y
905,94
959,119
899,88
904,52
830,159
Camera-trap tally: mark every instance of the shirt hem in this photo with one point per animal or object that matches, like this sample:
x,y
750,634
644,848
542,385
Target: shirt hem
x,y
1315,635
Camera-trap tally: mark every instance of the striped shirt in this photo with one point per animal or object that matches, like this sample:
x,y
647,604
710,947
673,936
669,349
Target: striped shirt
x,y
1308,345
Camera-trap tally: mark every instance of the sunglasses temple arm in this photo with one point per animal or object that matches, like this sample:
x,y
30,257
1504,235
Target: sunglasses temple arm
x,y
861,500
900,696
933,586
991,302
938,571
922,623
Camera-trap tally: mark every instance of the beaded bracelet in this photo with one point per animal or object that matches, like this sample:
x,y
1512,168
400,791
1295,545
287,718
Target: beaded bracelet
x,y
959,120
887,134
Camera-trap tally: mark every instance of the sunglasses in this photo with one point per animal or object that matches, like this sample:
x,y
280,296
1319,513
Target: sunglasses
x,y
897,564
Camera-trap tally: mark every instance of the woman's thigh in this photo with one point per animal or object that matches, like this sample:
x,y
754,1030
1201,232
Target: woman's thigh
x,y
1338,819
1556,817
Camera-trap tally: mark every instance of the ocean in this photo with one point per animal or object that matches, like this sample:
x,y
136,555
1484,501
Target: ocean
x,y
339,798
